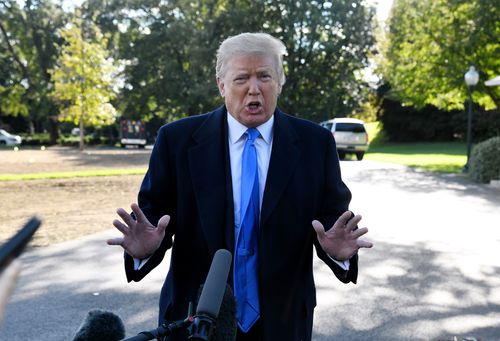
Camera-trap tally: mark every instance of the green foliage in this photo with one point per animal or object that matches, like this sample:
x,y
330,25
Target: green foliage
x,y
328,45
376,135
38,139
27,51
83,77
484,163
431,124
12,103
432,43
91,139
166,56
408,124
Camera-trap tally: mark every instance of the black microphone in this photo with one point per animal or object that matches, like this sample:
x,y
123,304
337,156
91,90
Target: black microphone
x,y
202,327
100,325
204,324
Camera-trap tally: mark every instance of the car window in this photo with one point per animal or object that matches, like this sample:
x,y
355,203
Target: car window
x,y
352,127
327,125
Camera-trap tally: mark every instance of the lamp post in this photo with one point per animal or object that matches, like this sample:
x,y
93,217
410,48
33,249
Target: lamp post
x,y
471,79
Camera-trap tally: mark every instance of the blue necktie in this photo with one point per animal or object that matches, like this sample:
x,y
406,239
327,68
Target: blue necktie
x,y
245,255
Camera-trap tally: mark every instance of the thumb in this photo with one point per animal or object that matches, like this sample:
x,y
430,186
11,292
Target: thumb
x,y
163,223
318,227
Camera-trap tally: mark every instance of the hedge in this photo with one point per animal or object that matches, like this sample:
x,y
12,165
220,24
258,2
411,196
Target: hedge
x,y
484,163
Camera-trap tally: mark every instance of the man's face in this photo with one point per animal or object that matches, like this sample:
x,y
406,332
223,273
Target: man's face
x,y
250,88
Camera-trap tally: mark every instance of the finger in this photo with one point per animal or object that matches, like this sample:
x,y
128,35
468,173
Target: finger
x,y
121,227
364,244
127,218
342,220
352,224
163,223
359,232
319,228
138,213
115,241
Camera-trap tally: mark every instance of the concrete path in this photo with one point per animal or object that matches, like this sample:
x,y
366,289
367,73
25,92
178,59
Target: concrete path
x,y
433,274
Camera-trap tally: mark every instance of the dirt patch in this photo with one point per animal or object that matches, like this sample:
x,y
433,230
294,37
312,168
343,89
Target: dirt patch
x,y
69,208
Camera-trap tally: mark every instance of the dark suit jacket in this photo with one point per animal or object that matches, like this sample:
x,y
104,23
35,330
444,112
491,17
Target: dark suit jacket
x,y
189,178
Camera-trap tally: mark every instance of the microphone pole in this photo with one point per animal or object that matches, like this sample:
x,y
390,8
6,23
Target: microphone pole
x,y
163,330
202,324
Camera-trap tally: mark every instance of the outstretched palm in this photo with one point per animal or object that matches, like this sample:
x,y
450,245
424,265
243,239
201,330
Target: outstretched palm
x,y
342,241
140,238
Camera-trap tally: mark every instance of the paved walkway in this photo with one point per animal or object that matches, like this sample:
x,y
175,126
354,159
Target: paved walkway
x,y
434,272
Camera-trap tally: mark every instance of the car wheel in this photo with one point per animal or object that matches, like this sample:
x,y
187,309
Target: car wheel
x,y
341,155
360,155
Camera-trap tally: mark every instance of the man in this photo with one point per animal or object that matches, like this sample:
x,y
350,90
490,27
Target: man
x,y
196,189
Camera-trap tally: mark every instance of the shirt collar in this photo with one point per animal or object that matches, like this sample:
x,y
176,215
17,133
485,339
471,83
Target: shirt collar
x,y
236,129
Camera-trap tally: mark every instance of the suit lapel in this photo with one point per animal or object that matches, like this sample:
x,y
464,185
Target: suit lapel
x,y
208,164
284,158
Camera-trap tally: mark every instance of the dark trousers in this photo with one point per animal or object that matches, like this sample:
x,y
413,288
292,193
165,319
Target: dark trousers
x,y
254,334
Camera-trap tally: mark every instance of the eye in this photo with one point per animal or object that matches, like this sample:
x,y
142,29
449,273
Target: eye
x,y
240,79
265,76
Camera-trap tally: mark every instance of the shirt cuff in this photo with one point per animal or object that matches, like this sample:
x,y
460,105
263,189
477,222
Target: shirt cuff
x,y
139,263
344,264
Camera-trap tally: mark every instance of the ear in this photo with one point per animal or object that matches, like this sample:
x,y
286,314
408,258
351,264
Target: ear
x,y
279,89
220,85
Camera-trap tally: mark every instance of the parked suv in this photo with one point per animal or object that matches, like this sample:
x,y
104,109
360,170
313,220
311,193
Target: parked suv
x,y
8,139
350,136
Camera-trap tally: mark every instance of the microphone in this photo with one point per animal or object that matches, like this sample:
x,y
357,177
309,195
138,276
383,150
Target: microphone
x,y
212,294
226,325
202,326
100,325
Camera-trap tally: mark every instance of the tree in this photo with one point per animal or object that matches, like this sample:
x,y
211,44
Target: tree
x,y
83,77
27,51
170,48
430,45
328,46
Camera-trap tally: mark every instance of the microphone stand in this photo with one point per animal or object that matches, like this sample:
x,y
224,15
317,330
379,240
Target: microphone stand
x,y
165,329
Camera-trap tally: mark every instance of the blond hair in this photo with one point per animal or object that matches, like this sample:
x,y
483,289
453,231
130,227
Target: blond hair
x,y
249,44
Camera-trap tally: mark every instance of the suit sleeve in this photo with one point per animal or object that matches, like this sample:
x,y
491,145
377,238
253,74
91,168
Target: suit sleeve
x,y
155,199
335,201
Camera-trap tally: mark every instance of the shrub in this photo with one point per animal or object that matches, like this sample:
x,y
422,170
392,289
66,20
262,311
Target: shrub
x,y
484,163
38,139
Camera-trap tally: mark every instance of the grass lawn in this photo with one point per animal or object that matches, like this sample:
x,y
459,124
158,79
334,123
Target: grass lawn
x,y
75,174
438,157
447,157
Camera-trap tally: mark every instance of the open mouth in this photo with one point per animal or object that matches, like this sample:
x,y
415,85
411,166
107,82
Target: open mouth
x,y
253,106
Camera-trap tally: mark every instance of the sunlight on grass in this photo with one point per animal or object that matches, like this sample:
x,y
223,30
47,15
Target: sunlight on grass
x,y
73,174
436,157
374,131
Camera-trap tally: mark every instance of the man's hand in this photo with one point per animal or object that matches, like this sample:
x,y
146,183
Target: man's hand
x,y
342,241
140,238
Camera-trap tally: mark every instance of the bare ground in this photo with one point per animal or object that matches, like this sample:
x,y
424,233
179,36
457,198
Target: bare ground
x,y
69,208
